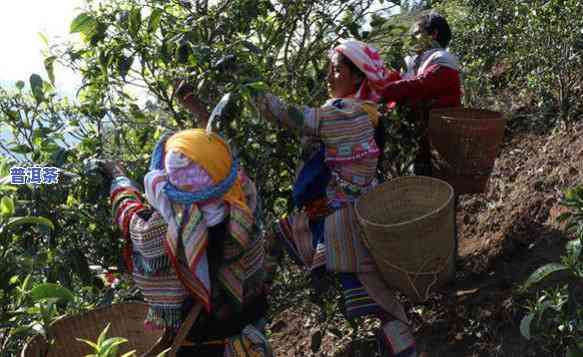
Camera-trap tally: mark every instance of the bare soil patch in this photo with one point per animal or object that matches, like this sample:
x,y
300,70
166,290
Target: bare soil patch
x,y
504,235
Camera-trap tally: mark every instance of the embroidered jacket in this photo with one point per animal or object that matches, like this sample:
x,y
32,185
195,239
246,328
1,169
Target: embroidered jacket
x,y
343,128
145,232
431,76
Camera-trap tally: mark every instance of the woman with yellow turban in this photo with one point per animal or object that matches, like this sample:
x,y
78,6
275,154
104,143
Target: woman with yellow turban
x,y
193,243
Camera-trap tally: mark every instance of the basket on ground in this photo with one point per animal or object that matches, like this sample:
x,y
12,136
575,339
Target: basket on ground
x,y
127,321
408,226
464,144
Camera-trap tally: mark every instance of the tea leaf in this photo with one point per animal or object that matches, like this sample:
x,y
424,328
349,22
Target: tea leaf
x,y
543,272
90,343
564,216
574,248
155,18
525,325
83,23
51,291
135,21
6,206
111,345
49,67
36,85
573,352
18,221
102,335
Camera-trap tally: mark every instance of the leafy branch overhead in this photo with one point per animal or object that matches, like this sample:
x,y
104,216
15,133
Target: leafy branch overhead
x,y
517,56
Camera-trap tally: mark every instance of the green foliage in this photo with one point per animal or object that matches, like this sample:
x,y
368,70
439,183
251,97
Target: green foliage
x,y
6,206
108,347
44,259
551,323
50,291
402,129
574,217
146,47
528,52
557,315
27,304
402,134
550,62
44,130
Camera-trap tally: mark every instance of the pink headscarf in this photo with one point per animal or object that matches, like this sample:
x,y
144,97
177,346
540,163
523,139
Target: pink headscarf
x,y
369,61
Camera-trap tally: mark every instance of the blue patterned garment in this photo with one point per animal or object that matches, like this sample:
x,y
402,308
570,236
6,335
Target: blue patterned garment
x,y
312,181
357,302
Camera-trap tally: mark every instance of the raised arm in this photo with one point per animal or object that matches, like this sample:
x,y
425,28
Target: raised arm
x,y
186,97
126,201
126,198
435,82
302,120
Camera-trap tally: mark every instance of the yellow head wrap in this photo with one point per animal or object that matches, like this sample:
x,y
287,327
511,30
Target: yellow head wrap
x,y
212,153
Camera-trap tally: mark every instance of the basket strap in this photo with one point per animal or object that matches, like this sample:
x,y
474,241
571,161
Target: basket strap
x,y
184,329
161,345
170,342
407,273
435,274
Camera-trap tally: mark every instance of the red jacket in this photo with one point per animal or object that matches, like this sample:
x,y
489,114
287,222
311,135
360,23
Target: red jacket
x,y
437,79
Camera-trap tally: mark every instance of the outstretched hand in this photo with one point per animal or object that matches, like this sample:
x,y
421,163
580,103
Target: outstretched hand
x,y
109,168
185,93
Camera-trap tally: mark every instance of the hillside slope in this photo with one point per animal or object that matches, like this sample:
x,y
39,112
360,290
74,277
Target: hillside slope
x,y
505,234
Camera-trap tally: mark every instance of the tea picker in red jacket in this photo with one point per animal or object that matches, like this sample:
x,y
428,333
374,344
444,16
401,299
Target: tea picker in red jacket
x,y
431,79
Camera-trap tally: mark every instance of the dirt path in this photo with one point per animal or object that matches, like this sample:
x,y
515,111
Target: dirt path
x,y
505,234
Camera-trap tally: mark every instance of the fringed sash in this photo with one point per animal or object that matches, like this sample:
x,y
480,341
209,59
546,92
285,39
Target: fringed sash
x,y
168,250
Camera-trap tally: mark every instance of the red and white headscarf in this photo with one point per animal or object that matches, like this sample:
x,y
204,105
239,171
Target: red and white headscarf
x,y
369,61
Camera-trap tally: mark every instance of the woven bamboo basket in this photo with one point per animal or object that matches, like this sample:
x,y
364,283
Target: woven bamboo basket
x,y
127,321
464,144
408,226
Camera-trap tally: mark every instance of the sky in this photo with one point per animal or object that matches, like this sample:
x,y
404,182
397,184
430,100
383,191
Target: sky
x,y
22,47
20,24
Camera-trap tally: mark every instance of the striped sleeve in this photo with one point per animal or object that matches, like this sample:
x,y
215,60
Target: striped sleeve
x,y
126,201
302,120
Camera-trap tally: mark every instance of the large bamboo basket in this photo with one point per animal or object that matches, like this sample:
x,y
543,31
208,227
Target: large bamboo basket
x,y
464,144
127,321
408,225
